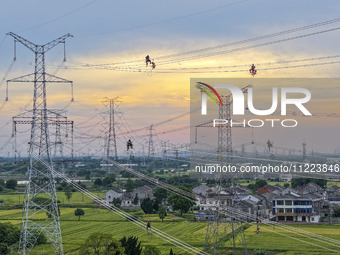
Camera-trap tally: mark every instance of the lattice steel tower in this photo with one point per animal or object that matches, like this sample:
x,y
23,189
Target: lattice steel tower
x,y
151,148
111,141
224,147
41,175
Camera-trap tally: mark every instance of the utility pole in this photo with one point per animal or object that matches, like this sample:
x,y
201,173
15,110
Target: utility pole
x,y
41,176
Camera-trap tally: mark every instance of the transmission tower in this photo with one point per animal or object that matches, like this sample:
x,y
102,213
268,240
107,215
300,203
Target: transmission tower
x,y
151,148
54,118
58,144
59,141
143,163
111,142
41,177
224,147
223,229
304,150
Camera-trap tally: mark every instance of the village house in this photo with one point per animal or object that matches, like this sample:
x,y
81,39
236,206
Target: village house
x,y
114,193
130,199
290,208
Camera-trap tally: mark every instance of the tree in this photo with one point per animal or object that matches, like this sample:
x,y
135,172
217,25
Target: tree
x,y
336,211
180,203
160,194
108,180
171,252
135,200
258,184
131,245
98,182
43,201
298,182
81,184
126,174
4,248
9,234
11,184
286,185
101,244
155,204
68,193
79,212
88,176
2,182
64,184
151,250
116,201
41,238
184,180
147,205
161,211
129,185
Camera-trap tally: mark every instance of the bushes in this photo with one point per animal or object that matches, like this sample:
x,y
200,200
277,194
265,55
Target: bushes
x,y
4,248
11,184
101,244
260,252
9,235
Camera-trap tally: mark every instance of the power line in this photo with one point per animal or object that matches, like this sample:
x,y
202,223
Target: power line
x,y
168,20
60,17
180,244
258,38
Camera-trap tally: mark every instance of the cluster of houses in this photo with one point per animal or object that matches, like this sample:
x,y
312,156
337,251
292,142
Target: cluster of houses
x,y
308,204
130,199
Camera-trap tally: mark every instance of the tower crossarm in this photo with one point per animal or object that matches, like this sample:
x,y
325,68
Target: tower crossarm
x,y
244,90
53,43
23,41
35,47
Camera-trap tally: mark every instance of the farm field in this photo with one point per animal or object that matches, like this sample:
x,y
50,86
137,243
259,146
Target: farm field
x,y
77,198
75,232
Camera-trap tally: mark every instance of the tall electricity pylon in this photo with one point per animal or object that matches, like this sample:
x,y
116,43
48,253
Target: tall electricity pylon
x,y
41,176
224,147
111,141
151,148
55,118
223,229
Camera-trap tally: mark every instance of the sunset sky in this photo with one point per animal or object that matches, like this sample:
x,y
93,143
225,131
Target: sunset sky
x,y
126,31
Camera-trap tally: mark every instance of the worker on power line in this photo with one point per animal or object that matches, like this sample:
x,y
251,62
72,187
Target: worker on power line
x,y
258,220
147,60
252,70
129,145
148,225
270,145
